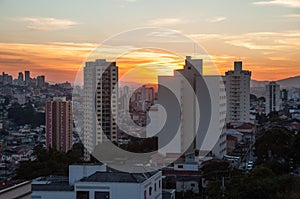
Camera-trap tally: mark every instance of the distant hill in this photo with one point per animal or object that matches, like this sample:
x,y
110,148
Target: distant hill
x,y
258,84
291,82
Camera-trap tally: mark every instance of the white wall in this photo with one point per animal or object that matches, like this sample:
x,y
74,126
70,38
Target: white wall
x,y
123,190
215,139
238,91
273,100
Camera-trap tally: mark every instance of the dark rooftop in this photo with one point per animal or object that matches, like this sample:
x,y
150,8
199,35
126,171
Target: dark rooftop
x,y
119,177
52,183
52,187
5,184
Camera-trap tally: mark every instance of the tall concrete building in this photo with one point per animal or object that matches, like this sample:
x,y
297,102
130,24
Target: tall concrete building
x,y
237,83
40,81
180,95
284,95
217,126
20,80
92,181
100,103
273,101
6,78
20,77
27,77
124,96
59,124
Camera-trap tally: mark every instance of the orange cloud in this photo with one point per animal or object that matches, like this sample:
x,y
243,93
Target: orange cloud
x,y
269,55
145,65
58,61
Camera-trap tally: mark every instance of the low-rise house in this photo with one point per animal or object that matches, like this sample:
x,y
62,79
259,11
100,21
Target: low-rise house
x,y
96,181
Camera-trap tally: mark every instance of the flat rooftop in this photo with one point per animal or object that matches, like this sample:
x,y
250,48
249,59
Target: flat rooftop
x,y
52,183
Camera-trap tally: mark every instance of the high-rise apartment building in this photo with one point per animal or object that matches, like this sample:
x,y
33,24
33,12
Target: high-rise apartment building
x,y
273,101
124,96
59,124
284,95
237,83
6,78
40,81
27,77
20,77
180,96
100,103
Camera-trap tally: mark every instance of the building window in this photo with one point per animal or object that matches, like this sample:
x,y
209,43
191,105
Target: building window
x,y
101,195
180,166
145,194
155,187
150,191
82,195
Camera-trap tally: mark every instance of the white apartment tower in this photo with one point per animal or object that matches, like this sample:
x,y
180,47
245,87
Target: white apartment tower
x,y
237,83
272,97
100,103
180,95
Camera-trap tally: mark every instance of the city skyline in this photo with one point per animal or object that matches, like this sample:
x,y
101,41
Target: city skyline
x,y
37,75
152,99
39,37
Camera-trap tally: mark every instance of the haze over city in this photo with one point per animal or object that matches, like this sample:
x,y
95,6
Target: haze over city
x,y
45,38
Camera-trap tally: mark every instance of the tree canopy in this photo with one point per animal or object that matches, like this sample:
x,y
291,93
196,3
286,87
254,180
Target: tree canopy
x,y
26,114
52,162
277,152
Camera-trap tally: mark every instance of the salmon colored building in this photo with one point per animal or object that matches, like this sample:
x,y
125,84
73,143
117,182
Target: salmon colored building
x,y
59,124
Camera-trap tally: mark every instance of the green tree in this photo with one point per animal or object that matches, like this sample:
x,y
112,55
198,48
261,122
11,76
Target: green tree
x,y
215,170
273,149
26,114
261,183
274,116
52,162
296,149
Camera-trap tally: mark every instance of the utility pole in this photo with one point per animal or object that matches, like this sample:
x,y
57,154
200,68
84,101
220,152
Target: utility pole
x,y
223,187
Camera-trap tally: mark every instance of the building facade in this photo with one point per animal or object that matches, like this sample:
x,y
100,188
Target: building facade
x,y
237,83
40,81
100,103
97,182
59,124
115,185
273,100
217,130
20,78
27,77
182,98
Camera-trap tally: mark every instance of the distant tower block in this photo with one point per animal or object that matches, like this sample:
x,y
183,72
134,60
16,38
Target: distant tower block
x,y
100,103
238,93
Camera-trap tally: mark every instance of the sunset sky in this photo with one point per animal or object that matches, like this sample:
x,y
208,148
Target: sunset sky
x,y
54,37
